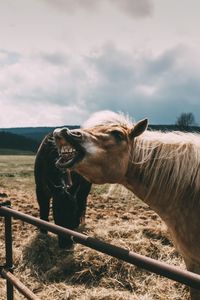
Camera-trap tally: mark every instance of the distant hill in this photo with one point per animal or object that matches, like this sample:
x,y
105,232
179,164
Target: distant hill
x,y
35,133
29,138
174,128
10,140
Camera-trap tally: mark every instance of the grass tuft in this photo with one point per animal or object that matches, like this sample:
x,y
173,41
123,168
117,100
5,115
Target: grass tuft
x,y
113,215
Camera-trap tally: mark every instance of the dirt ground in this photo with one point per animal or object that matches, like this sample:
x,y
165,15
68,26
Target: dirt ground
x,y
113,215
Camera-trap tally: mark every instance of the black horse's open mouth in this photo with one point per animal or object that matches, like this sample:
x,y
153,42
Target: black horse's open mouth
x,y
69,147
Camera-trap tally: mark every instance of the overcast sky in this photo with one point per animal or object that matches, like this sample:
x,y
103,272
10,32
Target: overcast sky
x,y
61,60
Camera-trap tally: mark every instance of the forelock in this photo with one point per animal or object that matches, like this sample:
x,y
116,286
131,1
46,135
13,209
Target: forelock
x,y
107,117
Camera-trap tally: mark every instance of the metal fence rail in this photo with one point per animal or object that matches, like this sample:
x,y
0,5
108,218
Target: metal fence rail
x,y
14,281
152,265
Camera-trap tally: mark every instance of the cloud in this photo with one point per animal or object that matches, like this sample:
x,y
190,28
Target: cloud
x,y
38,114
43,88
159,86
52,88
71,6
55,58
43,77
133,8
8,57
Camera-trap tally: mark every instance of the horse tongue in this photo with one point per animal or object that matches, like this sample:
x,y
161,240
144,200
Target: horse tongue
x,y
69,178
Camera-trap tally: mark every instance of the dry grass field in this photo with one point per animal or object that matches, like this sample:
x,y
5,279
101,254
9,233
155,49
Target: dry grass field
x,y
113,215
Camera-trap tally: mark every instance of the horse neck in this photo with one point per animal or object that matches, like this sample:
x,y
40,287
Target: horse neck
x,y
136,181
157,173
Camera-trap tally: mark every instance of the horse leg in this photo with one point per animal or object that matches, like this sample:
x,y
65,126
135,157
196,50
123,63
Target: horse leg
x,y
82,194
195,268
64,215
43,199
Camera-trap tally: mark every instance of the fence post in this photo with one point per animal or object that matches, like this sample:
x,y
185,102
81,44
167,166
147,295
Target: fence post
x,y
9,254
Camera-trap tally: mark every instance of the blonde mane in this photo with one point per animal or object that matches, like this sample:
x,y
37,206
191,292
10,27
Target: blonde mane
x,y
106,117
161,168
170,161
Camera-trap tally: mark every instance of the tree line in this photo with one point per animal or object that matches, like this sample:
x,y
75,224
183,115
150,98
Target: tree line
x,y
14,141
186,120
8,140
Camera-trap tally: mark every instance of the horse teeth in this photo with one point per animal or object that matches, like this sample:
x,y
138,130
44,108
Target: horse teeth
x,y
67,150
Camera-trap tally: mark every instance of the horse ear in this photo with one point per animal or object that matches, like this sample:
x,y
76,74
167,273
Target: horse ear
x,y
139,128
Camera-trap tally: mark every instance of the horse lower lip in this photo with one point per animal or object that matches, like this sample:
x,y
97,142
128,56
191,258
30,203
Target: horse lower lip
x,y
67,161
70,154
68,157
63,163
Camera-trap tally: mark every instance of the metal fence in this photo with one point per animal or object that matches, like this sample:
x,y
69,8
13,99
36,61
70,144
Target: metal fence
x,y
6,271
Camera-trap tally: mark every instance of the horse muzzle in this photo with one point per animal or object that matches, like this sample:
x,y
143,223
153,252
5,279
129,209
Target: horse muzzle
x,y
69,144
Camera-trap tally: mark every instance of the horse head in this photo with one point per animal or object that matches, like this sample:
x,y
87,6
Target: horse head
x,y
101,152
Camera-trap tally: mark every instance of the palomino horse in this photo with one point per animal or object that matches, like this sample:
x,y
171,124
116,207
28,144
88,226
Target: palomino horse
x,y
163,169
68,191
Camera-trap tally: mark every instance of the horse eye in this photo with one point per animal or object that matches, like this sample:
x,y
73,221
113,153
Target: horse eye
x,y
117,135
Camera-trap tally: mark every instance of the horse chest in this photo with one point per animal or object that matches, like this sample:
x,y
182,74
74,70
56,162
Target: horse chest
x,y
185,232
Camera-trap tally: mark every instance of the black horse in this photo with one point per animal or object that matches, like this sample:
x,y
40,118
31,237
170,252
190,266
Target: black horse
x,y
68,191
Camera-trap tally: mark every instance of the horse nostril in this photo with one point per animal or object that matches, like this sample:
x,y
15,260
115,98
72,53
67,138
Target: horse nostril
x,y
58,132
76,133
64,131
